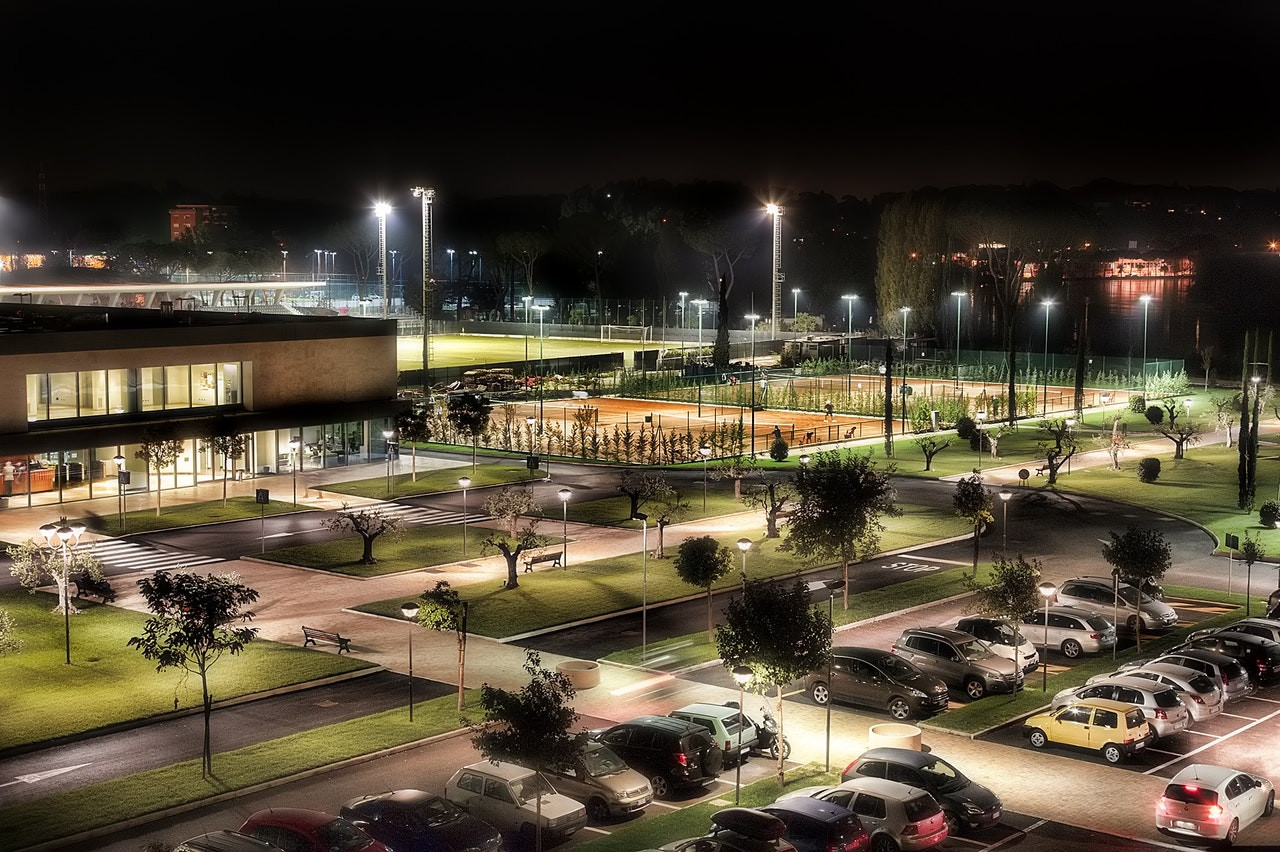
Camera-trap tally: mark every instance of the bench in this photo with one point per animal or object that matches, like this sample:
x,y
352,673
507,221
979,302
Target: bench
x,y
89,586
312,636
551,556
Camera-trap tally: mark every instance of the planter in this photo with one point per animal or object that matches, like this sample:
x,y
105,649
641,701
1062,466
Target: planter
x,y
894,735
583,674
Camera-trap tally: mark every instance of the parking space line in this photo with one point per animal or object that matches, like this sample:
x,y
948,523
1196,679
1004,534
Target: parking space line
x,y
1018,834
1220,739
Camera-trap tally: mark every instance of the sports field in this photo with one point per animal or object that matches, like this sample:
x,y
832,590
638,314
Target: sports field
x,y
459,350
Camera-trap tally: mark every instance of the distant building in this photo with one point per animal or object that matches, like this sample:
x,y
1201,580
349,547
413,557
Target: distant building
x,y
187,218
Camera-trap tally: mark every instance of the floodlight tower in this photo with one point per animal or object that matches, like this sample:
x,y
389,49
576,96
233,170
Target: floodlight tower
x,y
381,209
775,317
427,195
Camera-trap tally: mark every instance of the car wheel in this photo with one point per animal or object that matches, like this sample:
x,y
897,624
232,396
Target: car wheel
x,y
883,843
1233,832
1271,804
975,688
597,810
661,787
820,693
954,827
1038,738
1133,625
1071,649
899,709
1112,753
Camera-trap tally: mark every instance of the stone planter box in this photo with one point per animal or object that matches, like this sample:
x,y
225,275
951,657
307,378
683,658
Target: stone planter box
x,y
583,674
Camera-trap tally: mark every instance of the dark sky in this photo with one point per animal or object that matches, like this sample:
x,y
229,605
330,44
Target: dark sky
x,y
347,103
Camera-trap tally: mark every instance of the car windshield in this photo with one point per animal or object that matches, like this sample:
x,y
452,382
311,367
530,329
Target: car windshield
x,y
1130,595
340,836
531,787
1097,622
898,668
975,649
435,811
944,777
602,761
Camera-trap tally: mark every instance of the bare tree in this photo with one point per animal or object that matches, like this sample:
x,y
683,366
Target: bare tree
x,y
366,523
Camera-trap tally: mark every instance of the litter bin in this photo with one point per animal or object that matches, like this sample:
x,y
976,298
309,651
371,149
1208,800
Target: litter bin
x,y
894,735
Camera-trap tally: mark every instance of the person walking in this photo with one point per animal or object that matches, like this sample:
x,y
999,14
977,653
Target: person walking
x,y
9,471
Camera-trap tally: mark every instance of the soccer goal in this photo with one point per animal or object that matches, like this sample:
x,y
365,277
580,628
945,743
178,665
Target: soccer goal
x,y
638,333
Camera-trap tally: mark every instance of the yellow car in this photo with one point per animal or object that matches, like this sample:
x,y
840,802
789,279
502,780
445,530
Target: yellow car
x,y
1113,728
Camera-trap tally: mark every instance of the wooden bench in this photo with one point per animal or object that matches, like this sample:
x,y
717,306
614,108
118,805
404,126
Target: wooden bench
x,y
551,556
88,586
312,636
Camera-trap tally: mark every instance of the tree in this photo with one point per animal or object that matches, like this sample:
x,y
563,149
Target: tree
x,y
369,524
532,727
507,507
444,609
1251,551
34,564
1012,592
224,439
189,628
159,448
9,641
1061,444
1139,557
469,414
640,486
1116,442
735,467
774,630
666,507
771,496
1185,434
1224,415
414,426
931,445
972,501
701,562
840,500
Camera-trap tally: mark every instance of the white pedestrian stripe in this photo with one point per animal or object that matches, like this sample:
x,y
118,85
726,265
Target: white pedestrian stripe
x,y
427,516
132,556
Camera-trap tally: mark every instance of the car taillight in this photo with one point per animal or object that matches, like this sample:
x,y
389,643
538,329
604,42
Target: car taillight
x,y
1095,635
682,758
726,745
1196,698
911,829
1224,680
1160,714
1215,811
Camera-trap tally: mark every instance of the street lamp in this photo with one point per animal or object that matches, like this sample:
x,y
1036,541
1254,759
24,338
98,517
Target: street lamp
x,y
122,479
644,584
317,251
565,494
744,544
741,676
1047,590
464,483
795,310
1005,494
1048,303
284,264
959,296
410,611
541,309
753,318
381,209
64,538
1071,428
701,303
705,452
294,444
388,434
981,415
1146,304
427,195
906,351
848,340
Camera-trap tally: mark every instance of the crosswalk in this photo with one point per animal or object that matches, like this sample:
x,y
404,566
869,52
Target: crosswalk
x,y
127,555
424,515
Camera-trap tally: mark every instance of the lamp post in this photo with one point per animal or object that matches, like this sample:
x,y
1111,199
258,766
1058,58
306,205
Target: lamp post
x,y
318,251
565,494
1047,590
1005,494
848,338
753,318
705,452
410,611
294,445
775,303
1071,428
981,415
959,296
795,310
1146,303
464,483
122,478
644,583
701,303
381,209
741,676
388,434
427,195
906,351
541,309
64,538
1044,411
284,264
744,544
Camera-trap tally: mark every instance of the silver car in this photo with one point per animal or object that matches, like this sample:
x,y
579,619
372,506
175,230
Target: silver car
x,y
1201,693
1071,630
1124,602
1223,669
1162,705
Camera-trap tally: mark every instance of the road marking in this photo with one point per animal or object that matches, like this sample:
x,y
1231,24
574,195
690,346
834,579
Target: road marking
x,y
33,777
1220,739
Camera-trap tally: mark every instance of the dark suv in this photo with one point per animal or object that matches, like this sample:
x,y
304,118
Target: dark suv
x,y
672,753
1260,657
960,660
876,678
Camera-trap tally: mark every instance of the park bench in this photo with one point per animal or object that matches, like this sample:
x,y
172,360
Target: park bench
x,y
313,636
88,586
552,556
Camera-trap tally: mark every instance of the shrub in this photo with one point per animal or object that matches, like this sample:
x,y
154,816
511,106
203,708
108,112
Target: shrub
x,y
1149,469
779,450
1269,513
1138,403
1155,415
966,429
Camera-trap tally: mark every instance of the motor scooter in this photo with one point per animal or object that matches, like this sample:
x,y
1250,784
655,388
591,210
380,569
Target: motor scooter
x,y
766,744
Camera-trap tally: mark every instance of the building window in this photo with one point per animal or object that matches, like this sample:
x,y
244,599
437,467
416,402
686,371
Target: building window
x,y
100,393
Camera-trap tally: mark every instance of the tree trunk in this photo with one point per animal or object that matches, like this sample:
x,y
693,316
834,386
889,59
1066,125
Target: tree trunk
x,y
366,558
206,768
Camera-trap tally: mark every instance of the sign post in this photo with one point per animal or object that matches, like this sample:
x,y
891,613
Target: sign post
x,y
262,498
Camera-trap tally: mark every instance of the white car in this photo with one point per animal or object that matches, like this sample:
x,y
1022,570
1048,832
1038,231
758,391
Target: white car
x,y
1003,637
1201,693
1162,705
1205,802
1119,601
896,815
507,797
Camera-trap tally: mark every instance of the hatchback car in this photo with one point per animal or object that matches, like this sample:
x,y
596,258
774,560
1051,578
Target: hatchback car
x,y
738,830
515,800
672,753
1267,628
967,805
733,730
817,826
303,830
1162,705
1108,727
225,841
1100,595
1003,637
602,781
1223,669
959,660
1204,802
1201,693
895,815
1259,657
873,677
414,819
1071,630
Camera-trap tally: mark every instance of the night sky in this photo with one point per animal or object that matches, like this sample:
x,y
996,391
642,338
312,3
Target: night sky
x,y
346,104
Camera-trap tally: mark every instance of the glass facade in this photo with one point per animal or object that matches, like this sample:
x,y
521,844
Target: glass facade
x,y
101,393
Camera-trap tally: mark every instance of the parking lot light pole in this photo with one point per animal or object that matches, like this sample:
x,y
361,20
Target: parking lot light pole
x,y
744,544
121,476
464,483
564,495
644,584
959,298
705,452
64,538
1005,494
741,675
1047,590
410,611
294,446
830,587
388,434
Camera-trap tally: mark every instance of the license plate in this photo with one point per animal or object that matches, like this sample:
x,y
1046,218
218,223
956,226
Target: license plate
x,y
995,814
1182,823
1140,744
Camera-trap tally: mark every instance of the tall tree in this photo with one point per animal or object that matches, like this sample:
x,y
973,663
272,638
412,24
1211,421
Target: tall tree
x,y
507,507
189,628
701,562
469,415
369,524
770,495
1012,592
159,448
224,438
444,609
972,501
840,500
414,426
665,508
1138,557
640,486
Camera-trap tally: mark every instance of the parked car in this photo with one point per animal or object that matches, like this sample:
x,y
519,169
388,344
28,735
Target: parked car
x,y
817,826
672,753
1113,729
1223,669
896,815
1259,657
602,781
417,821
1205,802
303,830
1102,595
1162,705
225,841
1004,638
1201,693
959,660
1267,628
515,800
873,677
966,804
1071,630
723,722
738,830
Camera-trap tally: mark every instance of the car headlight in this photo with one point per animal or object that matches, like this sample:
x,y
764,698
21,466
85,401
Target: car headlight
x,y
971,808
915,693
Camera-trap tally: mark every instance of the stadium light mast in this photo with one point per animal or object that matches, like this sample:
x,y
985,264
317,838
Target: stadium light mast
x,y
427,195
775,316
381,209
